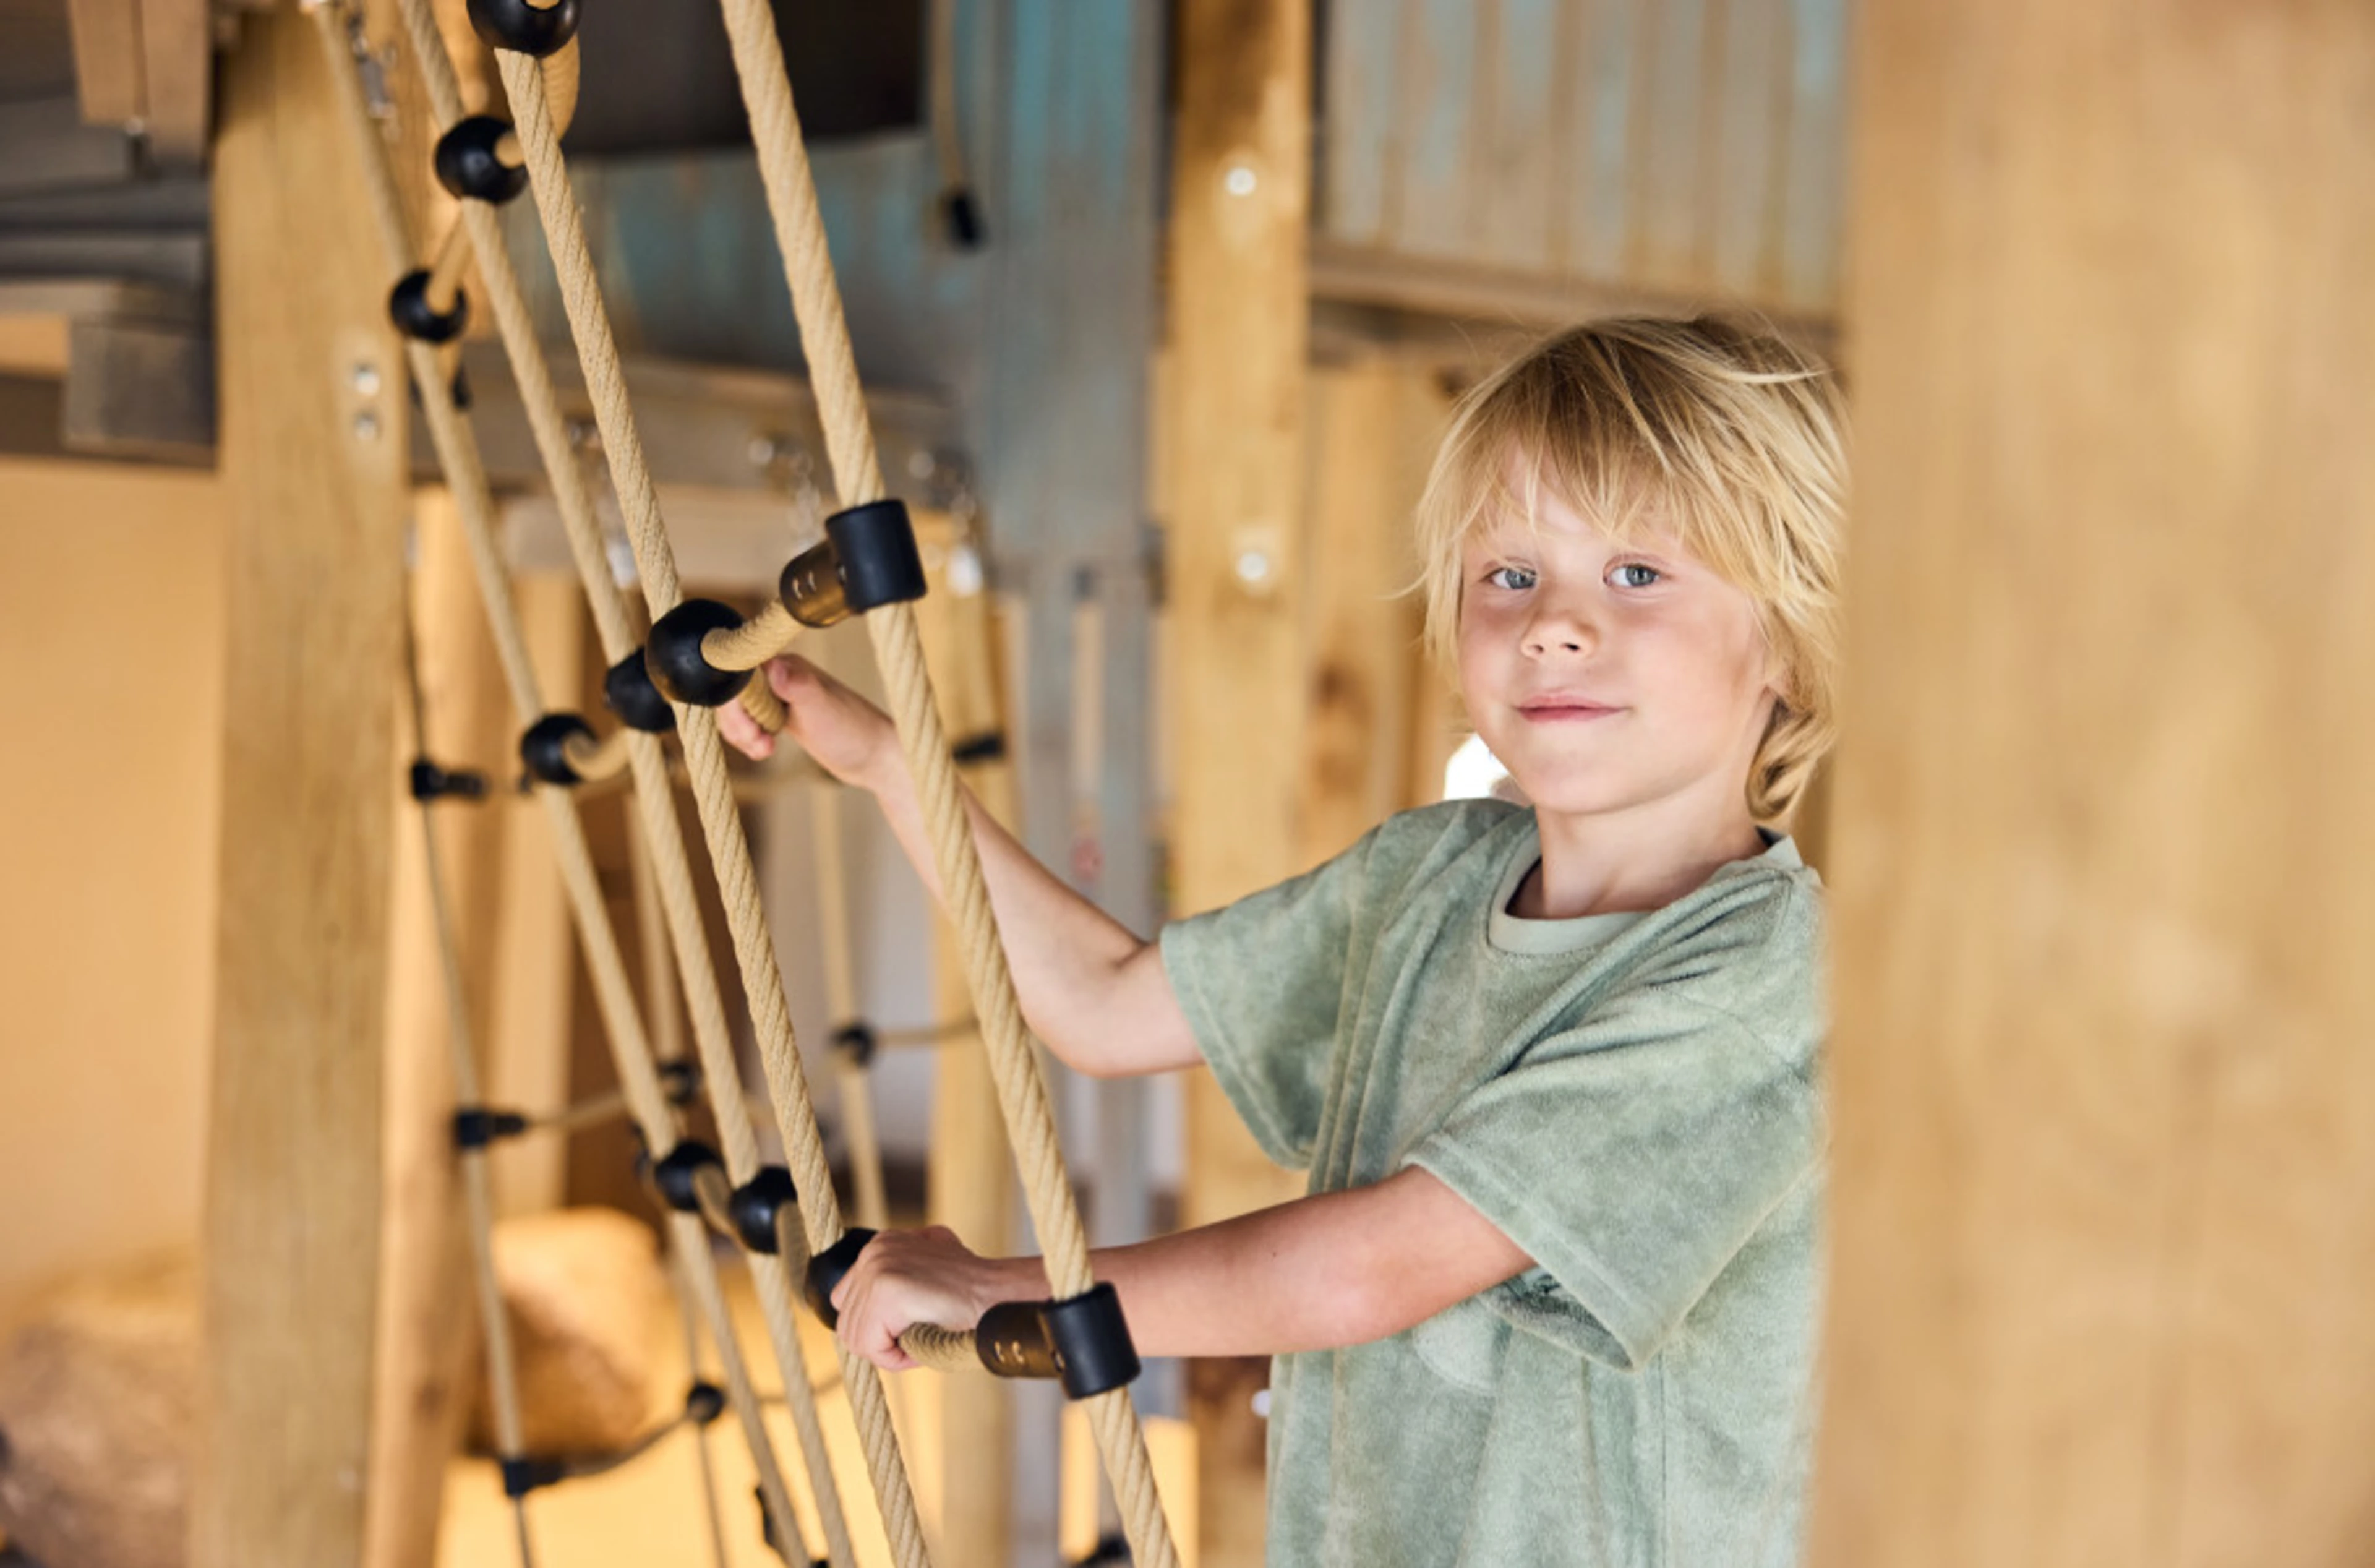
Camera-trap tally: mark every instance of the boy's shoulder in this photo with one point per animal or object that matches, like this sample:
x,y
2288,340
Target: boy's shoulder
x,y
1423,846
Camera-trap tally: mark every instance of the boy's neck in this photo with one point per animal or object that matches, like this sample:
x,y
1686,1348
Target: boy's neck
x,y
1637,860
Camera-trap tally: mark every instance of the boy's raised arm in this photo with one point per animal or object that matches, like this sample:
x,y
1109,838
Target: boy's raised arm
x,y
1089,986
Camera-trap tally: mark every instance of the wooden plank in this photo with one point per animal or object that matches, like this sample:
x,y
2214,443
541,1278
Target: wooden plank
x,y
1439,92
310,779
1750,115
1601,77
1236,576
107,60
1814,217
2105,1152
1670,155
1360,146
177,69
427,1365
1524,119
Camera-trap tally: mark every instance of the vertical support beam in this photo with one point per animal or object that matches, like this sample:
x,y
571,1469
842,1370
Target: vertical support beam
x,y
1241,202
310,777
2104,1160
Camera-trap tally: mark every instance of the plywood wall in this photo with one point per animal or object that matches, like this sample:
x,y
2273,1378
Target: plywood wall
x,y
107,833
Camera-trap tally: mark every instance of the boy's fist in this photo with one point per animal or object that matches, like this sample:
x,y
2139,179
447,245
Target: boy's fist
x,y
846,735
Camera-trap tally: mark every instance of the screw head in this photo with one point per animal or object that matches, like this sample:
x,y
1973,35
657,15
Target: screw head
x,y
367,426
366,379
1240,180
1253,567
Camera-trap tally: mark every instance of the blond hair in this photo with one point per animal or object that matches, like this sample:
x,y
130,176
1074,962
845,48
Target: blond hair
x,y
1714,430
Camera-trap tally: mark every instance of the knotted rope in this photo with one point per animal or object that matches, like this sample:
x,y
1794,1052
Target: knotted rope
x,y
898,647
614,994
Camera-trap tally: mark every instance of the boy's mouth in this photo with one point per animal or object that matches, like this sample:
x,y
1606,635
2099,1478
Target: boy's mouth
x,y
1557,707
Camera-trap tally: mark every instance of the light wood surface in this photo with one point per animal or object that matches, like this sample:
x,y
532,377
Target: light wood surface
x,y
310,782
107,59
1240,213
2105,1109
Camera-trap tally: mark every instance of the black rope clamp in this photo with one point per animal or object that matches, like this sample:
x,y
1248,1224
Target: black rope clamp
x,y
527,1473
627,691
703,1403
468,166
827,1268
776,1542
431,782
1083,1342
523,27
988,745
544,748
962,211
475,1126
679,1081
857,1041
869,560
408,307
676,1174
756,1204
679,668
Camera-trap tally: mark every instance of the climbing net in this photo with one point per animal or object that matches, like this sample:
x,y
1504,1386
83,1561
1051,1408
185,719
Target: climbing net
x,y
699,655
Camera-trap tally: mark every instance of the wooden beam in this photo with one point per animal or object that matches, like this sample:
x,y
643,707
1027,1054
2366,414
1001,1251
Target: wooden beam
x,y
2104,1224
1241,205
177,69
107,60
313,416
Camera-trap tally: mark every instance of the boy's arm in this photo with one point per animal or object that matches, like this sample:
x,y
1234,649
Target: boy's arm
x,y
1340,1268
1088,986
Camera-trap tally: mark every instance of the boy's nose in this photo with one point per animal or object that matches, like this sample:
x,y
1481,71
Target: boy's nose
x,y
1560,631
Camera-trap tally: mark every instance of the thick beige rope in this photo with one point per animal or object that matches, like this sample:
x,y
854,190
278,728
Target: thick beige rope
x,y
655,797
614,995
850,1075
898,647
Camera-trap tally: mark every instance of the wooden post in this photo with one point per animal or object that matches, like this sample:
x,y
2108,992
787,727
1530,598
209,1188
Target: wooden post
x,y
2105,1109
312,410
1240,214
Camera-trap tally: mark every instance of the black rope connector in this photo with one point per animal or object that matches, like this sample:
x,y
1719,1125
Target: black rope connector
x,y
676,665
475,1126
989,746
524,1475
408,307
880,563
544,748
1112,1550
459,389
962,211
524,28
468,167
703,1403
627,691
679,1081
1083,1343
859,1041
676,1174
431,782
756,1204
776,1542
826,1269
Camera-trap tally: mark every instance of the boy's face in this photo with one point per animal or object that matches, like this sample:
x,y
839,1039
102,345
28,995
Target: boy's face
x,y
1608,677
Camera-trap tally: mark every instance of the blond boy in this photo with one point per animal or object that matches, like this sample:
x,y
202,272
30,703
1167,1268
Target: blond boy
x,y
1552,1295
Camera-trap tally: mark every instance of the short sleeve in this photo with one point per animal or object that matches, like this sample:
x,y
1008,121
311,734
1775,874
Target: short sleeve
x,y
1632,1157
1262,983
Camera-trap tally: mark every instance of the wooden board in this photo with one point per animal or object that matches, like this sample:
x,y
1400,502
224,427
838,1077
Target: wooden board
x,y
108,64
177,69
2105,1146
1235,579
310,781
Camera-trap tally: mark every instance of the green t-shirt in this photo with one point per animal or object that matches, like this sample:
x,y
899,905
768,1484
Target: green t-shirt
x,y
1633,1099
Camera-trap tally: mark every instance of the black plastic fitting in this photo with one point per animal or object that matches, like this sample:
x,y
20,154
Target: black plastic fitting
x,y
859,1041
627,691
703,1403
524,28
676,1174
962,211
826,1269
776,1542
524,1475
676,665
475,1126
879,564
756,1204
471,169
679,1081
989,746
459,389
1083,1342
544,748
408,307
431,782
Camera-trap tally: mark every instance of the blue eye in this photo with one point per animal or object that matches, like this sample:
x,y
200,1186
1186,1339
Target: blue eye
x,y
1633,574
1518,578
